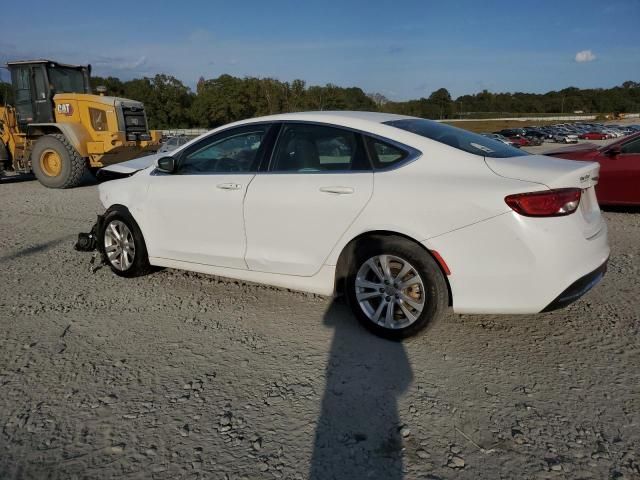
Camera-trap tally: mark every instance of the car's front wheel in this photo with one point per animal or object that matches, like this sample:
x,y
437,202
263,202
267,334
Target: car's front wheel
x,y
395,288
123,245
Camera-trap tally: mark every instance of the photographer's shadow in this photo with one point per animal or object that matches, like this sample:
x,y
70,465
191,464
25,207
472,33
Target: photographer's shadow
x,y
358,433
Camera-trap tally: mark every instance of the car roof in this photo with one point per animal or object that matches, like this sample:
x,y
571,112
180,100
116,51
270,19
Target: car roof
x,y
338,117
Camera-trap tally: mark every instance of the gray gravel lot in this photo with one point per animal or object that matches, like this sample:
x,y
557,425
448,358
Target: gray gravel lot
x,y
179,375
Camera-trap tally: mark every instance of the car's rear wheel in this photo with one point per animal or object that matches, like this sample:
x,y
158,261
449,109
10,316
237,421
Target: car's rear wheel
x,y
123,245
395,288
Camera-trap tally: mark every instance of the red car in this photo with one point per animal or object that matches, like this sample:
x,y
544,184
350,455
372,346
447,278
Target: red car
x,y
593,136
619,182
522,141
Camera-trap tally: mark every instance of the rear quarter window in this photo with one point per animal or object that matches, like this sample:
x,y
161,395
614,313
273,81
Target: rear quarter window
x,y
457,138
384,155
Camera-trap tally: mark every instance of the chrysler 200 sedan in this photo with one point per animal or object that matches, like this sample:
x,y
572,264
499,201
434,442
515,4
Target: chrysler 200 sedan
x,y
404,216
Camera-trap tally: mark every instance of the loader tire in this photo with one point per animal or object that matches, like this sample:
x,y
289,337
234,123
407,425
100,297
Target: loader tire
x,y
4,157
56,163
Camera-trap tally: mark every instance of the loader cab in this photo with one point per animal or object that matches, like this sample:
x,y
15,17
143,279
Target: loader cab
x,y
35,82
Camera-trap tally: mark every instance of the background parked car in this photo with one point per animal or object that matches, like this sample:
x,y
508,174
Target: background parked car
x,y
520,141
534,140
619,182
500,138
565,137
173,142
593,136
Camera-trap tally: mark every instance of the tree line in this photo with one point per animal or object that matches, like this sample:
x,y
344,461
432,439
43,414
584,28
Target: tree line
x,y
171,104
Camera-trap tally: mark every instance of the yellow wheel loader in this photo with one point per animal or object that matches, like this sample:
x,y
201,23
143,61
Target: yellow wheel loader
x,y
58,129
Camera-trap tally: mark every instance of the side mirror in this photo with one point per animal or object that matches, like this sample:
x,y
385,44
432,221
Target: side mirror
x,y
166,164
614,151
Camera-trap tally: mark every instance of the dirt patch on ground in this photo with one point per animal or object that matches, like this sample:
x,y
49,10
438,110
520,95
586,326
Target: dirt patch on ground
x,y
179,375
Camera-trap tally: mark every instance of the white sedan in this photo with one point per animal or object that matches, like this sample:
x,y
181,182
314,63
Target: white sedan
x,y
404,216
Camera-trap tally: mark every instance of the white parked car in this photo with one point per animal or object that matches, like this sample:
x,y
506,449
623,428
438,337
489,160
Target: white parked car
x,y
566,138
404,216
172,143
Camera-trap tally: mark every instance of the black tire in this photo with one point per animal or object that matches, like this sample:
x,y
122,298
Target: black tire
x,y
140,263
4,157
436,293
72,168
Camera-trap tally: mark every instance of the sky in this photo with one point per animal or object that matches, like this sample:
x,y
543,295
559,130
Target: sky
x,y
401,49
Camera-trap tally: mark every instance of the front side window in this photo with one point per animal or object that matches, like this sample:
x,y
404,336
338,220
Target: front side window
x,y
306,148
631,147
41,89
67,80
457,138
23,85
235,151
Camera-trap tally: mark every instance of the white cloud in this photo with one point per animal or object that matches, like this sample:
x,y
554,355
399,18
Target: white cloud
x,y
585,56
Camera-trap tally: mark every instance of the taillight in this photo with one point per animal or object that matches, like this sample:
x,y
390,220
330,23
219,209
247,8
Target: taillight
x,y
549,203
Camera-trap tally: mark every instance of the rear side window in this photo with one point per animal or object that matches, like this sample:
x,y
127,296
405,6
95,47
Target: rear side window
x,y
457,138
308,148
384,155
631,147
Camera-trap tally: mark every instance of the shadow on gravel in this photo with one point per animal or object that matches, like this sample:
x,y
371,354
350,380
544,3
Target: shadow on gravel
x,y
87,180
17,178
25,252
358,432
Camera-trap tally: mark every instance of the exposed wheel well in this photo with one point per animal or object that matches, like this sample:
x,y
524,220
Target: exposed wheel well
x,y
37,131
122,210
346,257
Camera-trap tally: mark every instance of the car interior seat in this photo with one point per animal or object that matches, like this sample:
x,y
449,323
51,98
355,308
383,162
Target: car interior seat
x,y
301,154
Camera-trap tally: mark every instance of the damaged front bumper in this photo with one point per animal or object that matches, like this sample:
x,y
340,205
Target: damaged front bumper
x,y
88,242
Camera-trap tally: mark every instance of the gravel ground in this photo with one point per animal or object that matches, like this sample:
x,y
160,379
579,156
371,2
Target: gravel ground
x,y
179,375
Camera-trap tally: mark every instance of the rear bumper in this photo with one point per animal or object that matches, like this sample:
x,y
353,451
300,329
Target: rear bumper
x,y
577,289
518,265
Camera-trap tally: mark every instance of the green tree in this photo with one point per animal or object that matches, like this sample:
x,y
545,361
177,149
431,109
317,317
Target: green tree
x,y
442,99
6,93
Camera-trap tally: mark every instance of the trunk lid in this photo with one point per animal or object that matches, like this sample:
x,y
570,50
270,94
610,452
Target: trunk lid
x,y
550,171
558,173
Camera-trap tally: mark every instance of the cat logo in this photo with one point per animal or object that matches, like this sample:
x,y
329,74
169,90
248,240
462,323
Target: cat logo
x,y
64,109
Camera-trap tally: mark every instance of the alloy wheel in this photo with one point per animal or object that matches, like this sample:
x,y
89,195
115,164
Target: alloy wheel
x,y
119,245
390,291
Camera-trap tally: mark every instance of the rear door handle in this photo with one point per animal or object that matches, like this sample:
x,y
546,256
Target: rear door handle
x,y
229,186
337,190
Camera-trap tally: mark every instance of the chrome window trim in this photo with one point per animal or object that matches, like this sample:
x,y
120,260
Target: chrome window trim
x,y
182,154
412,153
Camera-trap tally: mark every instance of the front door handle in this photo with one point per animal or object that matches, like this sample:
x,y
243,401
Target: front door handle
x,y
337,190
229,186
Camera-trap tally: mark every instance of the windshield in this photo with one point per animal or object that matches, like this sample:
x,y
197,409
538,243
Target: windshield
x,y
457,138
66,80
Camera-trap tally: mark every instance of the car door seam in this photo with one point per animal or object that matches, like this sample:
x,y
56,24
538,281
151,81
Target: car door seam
x,y
244,221
337,242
